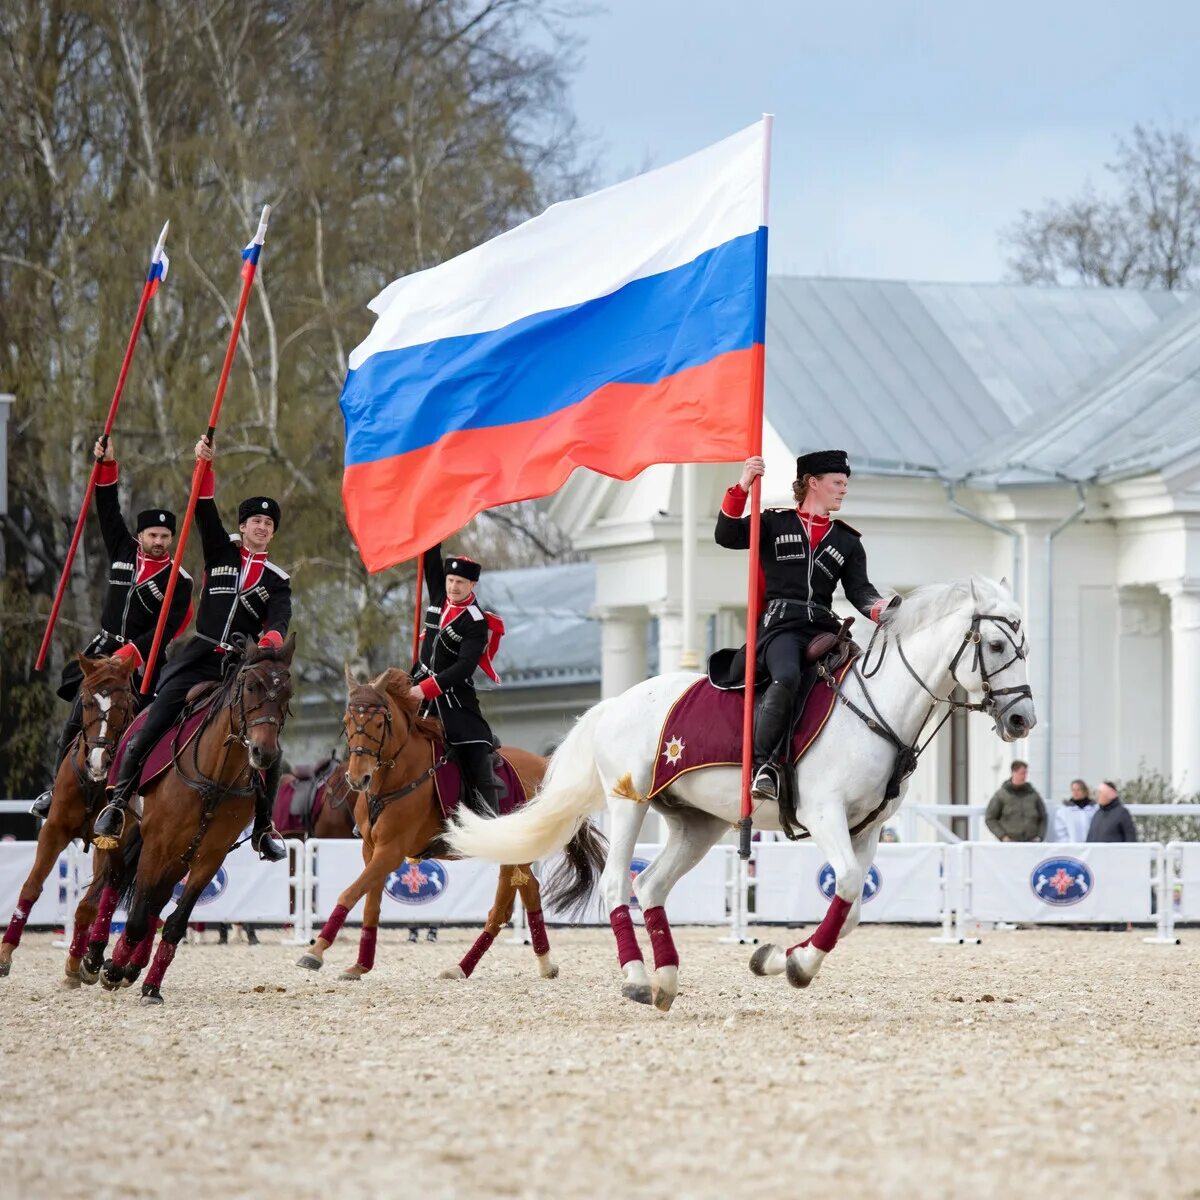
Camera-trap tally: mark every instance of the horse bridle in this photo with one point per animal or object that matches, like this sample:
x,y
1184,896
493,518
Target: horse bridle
x,y
360,714
279,686
98,743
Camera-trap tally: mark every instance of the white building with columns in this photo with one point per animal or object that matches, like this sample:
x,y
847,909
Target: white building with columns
x,y
1048,435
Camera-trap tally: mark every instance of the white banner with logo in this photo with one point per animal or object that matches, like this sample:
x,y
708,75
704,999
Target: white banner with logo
x,y
244,889
1187,897
414,894
1060,883
794,883
16,861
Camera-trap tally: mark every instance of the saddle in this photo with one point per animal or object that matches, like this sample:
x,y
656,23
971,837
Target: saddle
x,y
162,753
198,691
301,796
451,784
832,650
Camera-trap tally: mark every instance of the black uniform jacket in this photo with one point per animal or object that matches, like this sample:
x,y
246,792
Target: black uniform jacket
x,y
232,601
130,610
798,584
449,656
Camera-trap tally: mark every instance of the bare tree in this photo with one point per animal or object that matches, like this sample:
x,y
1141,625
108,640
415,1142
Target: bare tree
x,y
1144,232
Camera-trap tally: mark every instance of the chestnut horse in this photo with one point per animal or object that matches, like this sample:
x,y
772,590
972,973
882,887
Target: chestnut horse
x,y
193,813
109,705
392,753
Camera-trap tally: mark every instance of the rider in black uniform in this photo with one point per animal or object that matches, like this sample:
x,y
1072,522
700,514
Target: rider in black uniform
x,y
244,593
137,575
803,554
459,637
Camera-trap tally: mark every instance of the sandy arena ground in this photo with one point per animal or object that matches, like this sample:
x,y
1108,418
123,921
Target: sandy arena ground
x,y
896,1074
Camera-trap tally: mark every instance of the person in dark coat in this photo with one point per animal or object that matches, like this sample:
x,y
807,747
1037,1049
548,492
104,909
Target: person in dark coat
x,y
1112,822
138,563
1016,812
804,553
459,637
244,595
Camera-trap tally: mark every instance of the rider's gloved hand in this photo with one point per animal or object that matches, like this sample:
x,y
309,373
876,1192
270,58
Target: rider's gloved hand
x,y
271,640
884,610
131,652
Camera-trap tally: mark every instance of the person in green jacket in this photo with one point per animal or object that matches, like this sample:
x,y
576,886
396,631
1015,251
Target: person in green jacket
x,y
1016,812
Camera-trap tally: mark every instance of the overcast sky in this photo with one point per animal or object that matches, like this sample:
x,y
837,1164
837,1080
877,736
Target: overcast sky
x,y
906,134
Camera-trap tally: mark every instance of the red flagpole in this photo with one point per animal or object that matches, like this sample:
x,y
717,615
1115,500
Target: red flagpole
x,y
745,823
148,290
249,270
417,610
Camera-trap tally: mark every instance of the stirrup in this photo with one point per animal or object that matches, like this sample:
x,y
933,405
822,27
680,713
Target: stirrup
x,y
269,844
110,826
766,783
41,806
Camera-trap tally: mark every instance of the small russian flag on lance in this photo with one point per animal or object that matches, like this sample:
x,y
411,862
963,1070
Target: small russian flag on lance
x,y
159,262
254,246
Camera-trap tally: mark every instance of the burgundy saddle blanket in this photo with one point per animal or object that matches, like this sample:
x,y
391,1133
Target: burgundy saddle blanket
x,y
163,753
301,798
704,729
447,781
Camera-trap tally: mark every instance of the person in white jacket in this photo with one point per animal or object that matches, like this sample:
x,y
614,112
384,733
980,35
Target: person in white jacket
x,y
1073,818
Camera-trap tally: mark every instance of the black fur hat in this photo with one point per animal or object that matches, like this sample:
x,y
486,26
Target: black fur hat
x,y
823,462
465,568
259,506
155,518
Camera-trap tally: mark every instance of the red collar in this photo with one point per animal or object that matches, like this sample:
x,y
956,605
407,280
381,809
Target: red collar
x,y
815,525
451,610
148,567
253,564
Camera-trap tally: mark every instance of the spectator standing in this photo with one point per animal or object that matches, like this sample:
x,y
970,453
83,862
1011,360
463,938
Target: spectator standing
x,y
1073,818
1016,812
1112,821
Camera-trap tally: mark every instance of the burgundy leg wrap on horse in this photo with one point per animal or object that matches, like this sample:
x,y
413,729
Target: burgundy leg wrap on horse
x,y
162,960
366,948
537,932
333,924
825,936
141,952
79,940
102,925
122,952
659,929
628,949
471,959
16,927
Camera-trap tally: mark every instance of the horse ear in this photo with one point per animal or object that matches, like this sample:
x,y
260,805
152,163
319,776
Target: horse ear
x,y
350,680
85,664
1005,584
976,598
381,680
289,648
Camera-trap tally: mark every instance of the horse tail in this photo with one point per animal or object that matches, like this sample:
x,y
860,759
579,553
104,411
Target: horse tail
x,y
126,869
570,792
573,879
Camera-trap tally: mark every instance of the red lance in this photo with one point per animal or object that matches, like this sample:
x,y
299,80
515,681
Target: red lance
x,y
249,269
157,273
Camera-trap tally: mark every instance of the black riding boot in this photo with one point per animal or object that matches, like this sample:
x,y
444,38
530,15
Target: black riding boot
x,y
771,724
110,824
483,787
265,837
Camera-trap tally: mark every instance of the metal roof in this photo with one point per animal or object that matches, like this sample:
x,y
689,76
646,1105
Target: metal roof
x,y
1140,415
929,376
549,635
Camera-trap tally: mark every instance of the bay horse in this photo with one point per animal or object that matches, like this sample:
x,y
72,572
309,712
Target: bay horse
x,y
193,812
849,783
392,754
109,704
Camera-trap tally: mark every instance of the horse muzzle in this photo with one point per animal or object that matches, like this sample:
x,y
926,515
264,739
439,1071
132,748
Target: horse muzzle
x,y
1018,722
262,758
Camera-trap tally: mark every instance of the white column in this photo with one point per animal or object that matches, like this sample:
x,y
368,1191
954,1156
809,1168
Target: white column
x,y
670,636
689,658
622,649
1185,684
1142,735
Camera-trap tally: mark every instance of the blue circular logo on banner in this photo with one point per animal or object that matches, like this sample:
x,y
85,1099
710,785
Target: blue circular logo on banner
x,y
636,867
215,886
417,883
827,882
1061,881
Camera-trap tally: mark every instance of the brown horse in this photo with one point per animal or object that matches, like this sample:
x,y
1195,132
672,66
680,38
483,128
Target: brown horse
x,y
392,752
109,705
194,812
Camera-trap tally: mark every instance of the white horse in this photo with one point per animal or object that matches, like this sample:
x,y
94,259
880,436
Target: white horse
x,y
942,635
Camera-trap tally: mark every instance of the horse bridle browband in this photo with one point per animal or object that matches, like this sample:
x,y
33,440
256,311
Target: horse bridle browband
x,y
377,800
95,743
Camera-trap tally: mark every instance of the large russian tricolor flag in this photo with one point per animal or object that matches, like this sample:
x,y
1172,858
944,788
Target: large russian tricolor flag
x,y
618,330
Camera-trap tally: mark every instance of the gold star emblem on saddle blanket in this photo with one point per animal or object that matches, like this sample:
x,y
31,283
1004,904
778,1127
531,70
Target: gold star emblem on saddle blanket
x,y
674,751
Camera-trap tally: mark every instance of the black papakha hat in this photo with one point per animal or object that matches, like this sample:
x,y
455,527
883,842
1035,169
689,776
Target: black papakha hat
x,y
465,568
258,506
155,518
823,462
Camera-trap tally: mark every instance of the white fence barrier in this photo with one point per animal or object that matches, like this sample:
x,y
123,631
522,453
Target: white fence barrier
x,y
956,885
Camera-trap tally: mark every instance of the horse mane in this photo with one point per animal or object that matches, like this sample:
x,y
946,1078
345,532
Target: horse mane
x,y
394,685
932,602
108,670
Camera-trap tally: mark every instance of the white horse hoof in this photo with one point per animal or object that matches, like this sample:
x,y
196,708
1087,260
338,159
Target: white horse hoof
x,y
803,963
453,973
547,968
310,962
665,988
768,960
350,976
639,993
